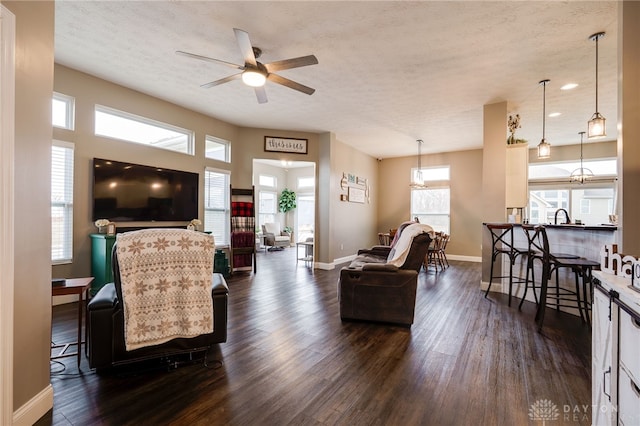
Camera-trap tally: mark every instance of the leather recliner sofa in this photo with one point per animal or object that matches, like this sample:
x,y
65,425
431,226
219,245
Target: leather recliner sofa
x,y
105,321
375,288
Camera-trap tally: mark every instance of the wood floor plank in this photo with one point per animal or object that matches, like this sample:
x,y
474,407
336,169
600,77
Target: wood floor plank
x,y
289,359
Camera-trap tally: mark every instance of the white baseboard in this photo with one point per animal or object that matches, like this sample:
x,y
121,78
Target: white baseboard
x,y
476,259
324,266
35,408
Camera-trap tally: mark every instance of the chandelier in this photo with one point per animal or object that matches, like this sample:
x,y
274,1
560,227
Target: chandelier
x,y
581,174
597,124
544,149
417,181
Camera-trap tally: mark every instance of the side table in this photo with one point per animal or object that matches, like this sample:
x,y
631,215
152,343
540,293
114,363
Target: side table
x,y
81,287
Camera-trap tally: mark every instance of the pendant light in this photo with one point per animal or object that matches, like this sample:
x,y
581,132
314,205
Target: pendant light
x,y
417,181
544,149
597,124
581,175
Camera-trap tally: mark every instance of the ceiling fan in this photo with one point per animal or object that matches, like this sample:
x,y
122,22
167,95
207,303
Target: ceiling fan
x,y
255,73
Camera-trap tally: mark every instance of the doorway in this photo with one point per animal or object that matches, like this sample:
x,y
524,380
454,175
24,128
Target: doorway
x,y
270,178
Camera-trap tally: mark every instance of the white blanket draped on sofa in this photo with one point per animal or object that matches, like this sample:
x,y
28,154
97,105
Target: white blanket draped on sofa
x,y
166,277
400,250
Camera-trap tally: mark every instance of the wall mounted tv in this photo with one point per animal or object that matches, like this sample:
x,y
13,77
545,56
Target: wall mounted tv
x,y
125,192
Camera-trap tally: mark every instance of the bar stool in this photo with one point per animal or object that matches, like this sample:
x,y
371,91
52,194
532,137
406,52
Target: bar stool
x,y
553,262
502,244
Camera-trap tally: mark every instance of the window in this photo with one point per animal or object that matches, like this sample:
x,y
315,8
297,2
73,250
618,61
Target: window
x,y
63,111
550,189
431,206
305,216
306,182
132,128
217,149
265,180
61,202
267,207
216,205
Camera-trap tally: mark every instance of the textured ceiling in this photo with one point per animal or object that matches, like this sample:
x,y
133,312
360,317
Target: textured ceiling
x,y
389,72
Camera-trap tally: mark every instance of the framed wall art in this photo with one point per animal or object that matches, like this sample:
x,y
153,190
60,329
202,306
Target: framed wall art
x,y
289,145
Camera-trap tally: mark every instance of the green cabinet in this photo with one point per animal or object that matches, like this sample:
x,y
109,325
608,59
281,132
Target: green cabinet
x,y
101,245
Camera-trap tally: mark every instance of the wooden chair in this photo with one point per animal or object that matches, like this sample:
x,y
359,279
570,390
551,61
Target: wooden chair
x,y
433,256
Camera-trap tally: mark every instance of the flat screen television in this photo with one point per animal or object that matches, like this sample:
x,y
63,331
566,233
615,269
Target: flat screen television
x,y
126,192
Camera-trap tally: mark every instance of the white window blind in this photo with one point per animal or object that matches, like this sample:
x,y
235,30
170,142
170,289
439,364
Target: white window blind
x,y
61,202
216,205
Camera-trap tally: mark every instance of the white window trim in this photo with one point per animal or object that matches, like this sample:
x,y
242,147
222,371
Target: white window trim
x,y
226,143
275,181
70,103
148,121
67,145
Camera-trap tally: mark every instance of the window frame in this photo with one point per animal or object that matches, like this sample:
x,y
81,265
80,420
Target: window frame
x,y
189,134
66,255
226,209
225,143
70,110
261,213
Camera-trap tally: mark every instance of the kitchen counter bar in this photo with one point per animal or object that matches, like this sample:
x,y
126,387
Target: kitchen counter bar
x,y
581,240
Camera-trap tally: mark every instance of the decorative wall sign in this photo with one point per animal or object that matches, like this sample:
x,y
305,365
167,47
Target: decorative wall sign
x,y
290,145
356,195
357,188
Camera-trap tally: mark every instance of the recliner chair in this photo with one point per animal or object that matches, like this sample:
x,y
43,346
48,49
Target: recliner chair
x,y
274,238
380,283
107,346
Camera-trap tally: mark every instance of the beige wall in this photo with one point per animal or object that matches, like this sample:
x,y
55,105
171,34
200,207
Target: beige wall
x,y
394,197
353,225
32,291
246,144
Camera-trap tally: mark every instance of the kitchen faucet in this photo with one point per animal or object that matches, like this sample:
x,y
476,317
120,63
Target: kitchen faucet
x,y
566,215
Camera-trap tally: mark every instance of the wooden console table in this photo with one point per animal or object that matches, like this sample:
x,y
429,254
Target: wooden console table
x,y
81,287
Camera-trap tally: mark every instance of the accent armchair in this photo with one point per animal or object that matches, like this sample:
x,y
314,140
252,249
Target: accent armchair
x,y
380,283
274,238
165,299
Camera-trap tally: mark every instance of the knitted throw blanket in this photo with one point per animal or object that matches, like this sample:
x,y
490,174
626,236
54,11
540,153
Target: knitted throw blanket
x,y
166,277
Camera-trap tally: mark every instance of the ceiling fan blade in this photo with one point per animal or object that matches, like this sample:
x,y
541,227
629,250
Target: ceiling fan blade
x,y
286,64
261,94
221,81
290,84
206,58
245,47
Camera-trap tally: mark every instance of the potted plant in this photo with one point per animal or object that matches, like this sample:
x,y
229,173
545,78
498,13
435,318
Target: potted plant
x,y
287,201
513,124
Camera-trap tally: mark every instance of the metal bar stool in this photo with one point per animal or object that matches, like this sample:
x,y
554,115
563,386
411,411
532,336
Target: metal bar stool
x,y
563,297
502,244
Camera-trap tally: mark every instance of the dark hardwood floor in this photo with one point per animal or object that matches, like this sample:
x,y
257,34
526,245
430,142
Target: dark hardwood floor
x,y
290,360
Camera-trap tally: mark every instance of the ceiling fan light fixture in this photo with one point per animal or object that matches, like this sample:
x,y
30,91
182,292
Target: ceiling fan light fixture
x,y
254,78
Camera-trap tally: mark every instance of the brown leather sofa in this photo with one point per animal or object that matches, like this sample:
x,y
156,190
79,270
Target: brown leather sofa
x,y
373,289
105,321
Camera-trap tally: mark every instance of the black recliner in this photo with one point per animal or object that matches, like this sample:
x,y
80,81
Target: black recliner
x,y
105,322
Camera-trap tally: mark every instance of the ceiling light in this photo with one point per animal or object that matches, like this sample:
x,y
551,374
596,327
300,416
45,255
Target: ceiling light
x,y
555,114
253,78
581,175
417,181
544,149
569,86
597,124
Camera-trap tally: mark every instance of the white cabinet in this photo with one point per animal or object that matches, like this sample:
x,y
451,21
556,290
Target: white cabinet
x,y
615,352
517,176
601,360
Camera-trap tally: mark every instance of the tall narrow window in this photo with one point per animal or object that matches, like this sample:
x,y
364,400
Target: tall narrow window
x,y
431,205
267,207
216,205
128,127
217,149
61,202
63,111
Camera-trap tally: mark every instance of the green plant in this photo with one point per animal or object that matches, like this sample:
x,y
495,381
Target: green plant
x,y
288,230
287,200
